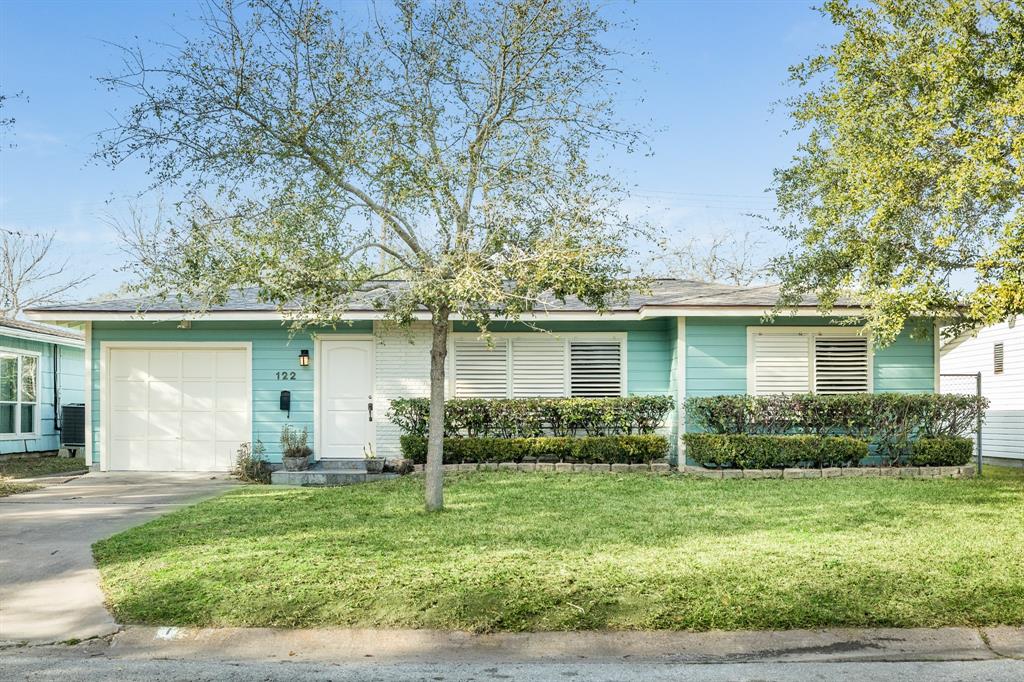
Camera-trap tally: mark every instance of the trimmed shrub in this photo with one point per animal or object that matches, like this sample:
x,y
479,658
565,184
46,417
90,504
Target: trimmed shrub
x,y
747,451
890,420
534,417
941,452
595,449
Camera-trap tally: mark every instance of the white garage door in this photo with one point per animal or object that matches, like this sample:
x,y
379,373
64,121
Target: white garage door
x,y
176,409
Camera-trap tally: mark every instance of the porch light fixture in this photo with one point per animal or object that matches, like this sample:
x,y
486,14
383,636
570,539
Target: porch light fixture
x,y
303,358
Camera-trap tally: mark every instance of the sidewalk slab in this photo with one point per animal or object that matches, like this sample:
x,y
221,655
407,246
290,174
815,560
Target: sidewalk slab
x,y
424,646
1006,641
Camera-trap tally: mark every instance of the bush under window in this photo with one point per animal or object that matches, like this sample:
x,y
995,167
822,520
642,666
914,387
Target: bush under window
x,y
534,417
942,451
890,421
746,451
620,449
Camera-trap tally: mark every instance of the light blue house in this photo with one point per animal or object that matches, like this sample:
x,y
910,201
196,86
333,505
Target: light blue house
x,y
42,368
170,391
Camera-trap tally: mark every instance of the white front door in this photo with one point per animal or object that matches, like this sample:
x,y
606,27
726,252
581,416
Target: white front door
x,y
346,392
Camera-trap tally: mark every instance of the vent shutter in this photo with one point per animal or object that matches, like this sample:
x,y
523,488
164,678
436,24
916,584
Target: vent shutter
x,y
595,368
840,365
538,367
997,358
481,372
781,364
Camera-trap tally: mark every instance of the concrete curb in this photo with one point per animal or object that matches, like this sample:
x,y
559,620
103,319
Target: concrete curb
x,y
53,479
424,646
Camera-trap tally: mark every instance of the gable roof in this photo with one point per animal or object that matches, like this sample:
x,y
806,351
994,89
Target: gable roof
x,y
666,297
34,331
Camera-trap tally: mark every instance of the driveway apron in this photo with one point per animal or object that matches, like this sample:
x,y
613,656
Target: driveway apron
x,y
49,585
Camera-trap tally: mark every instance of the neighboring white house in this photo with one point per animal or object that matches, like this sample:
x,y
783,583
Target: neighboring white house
x,y
998,353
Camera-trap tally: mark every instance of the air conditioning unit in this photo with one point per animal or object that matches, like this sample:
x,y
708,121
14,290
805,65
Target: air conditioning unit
x,y
72,429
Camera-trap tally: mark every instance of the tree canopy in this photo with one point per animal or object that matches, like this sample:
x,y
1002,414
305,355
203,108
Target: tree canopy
x,y
907,189
449,144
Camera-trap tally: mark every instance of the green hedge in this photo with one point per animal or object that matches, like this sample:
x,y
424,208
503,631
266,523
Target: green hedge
x,y
745,451
533,417
891,421
945,451
595,449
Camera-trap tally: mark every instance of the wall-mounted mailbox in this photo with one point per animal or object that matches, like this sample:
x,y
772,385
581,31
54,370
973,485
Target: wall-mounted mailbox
x,y
286,402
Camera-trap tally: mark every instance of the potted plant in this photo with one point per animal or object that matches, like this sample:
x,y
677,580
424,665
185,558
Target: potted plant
x,y
295,451
374,464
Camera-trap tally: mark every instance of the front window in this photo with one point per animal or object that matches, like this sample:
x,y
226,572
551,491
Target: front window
x,y
535,364
19,393
788,360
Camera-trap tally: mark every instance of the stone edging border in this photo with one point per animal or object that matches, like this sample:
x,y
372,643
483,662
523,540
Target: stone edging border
x,y
966,471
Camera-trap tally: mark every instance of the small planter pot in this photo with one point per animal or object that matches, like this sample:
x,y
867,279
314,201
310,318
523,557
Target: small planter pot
x,y
296,463
375,465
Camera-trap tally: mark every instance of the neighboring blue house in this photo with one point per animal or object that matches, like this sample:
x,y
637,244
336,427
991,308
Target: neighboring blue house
x,y
41,369
169,392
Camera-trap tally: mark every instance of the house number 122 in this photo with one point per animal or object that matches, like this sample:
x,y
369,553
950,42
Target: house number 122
x,y
286,376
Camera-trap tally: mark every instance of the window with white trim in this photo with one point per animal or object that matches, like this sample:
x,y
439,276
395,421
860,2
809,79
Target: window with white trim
x,y
788,360
535,364
19,393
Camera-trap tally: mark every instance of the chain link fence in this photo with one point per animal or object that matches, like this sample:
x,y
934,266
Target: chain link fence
x,y
965,384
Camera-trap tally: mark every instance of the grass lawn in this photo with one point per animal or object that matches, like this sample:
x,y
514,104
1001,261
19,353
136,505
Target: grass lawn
x,y
29,467
518,551
9,487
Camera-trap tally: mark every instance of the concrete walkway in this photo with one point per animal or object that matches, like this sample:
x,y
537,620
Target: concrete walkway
x,y
49,586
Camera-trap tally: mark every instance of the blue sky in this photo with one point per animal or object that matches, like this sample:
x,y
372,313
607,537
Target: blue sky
x,y
708,81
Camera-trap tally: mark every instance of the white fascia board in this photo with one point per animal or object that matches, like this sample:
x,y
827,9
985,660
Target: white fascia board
x,y
42,337
80,316
645,313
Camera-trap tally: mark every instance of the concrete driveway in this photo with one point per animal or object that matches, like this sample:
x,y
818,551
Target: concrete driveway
x,y
49,586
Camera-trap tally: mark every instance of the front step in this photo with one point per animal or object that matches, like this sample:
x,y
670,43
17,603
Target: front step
x,y
347,465
329,472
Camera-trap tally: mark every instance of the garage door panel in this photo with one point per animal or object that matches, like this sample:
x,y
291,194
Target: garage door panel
x,y
232,365
164,425
128,394
198,426
164,396
130,454
127,425
232,396
196,455
164,455
199,395
198,364
180,409
165,364
232,426
130,364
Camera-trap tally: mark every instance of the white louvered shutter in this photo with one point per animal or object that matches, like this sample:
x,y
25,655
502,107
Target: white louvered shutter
x,y
595,368
840,364
481,372
781,364
538,366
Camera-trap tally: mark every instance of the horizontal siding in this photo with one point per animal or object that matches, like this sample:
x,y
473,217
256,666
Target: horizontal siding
x,y
71,382
274,349
716,357
1002,434
974,353
402,365
905,366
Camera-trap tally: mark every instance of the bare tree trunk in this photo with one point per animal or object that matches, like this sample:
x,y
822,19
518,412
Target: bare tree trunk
x,y
435,433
